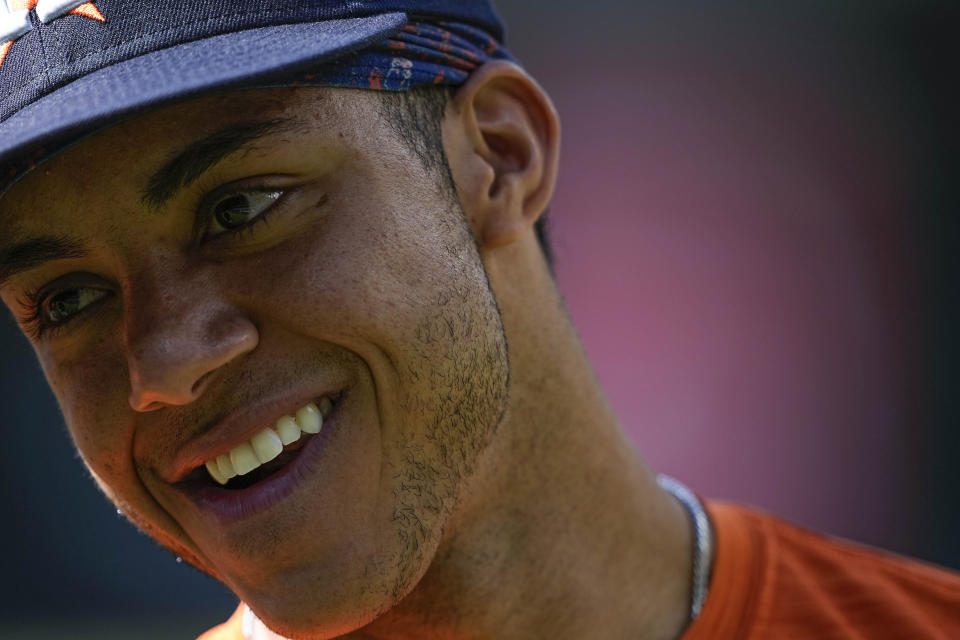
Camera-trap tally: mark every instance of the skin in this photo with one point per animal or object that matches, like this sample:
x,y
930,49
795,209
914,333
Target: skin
x,y
479,485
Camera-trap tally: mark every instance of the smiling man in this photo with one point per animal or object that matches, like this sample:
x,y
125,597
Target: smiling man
x,y
284,268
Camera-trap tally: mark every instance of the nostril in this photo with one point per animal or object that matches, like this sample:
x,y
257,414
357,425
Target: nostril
x,y
143,403
197,387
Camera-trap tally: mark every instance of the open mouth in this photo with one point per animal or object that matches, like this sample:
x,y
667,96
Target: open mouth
x,y
267,453
265,470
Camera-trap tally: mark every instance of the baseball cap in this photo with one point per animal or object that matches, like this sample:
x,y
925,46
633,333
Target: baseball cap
x,y
69,67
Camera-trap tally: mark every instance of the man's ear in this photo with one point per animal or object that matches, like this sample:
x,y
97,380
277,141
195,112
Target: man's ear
x,y
502,139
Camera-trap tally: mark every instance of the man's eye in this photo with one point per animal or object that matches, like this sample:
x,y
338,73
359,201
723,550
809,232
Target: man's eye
x,y
238,210
62,306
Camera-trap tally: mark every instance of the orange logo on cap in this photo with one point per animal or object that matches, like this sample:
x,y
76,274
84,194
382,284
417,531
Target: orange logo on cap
x,y
87,9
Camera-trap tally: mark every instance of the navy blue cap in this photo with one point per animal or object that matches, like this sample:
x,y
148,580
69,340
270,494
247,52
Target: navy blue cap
x,y
68,67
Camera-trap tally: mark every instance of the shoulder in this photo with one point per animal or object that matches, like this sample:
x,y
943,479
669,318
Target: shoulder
x,y
777,579
834,565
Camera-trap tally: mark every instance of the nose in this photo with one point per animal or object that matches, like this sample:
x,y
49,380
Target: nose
x,y
179,333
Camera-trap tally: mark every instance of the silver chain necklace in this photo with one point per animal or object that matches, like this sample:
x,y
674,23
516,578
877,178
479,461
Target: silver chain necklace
x,y
702,542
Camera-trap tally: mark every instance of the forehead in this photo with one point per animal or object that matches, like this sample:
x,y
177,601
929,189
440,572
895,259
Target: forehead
x,y
130,150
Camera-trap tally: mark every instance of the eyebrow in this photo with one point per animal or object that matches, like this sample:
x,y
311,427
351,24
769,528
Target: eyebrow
x,y
32,253
178,173
200,156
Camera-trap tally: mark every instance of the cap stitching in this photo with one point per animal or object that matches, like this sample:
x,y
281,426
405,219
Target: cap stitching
x,y
44,74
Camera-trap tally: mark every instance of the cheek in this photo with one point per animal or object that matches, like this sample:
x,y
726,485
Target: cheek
x,y
367,258
92,392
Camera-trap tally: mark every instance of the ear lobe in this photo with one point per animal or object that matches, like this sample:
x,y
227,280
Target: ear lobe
x,y
502,138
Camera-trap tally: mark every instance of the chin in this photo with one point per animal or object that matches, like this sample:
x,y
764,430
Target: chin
x,y
314,618
324,603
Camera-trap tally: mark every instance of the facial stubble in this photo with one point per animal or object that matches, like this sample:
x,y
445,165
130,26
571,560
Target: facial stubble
x,y
469,386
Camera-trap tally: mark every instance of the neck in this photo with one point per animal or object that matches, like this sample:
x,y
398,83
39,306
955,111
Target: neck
x,y
563,532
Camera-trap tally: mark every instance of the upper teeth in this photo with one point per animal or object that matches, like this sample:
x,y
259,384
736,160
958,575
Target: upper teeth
x,y
267,445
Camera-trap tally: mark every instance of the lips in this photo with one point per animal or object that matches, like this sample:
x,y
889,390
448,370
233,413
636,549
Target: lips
x,y
237,427
261,487
270,443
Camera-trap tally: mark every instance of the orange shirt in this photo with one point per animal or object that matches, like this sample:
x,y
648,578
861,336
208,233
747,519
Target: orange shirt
x,y
775,581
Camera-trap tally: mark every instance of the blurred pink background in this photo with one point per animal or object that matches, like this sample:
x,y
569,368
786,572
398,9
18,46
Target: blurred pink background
x,y
734,240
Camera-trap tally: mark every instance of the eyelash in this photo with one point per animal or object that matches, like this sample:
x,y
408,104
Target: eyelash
x,y
32,301
34,325
31,321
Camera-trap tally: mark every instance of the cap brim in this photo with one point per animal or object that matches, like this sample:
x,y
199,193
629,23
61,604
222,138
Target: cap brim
x,y
225,61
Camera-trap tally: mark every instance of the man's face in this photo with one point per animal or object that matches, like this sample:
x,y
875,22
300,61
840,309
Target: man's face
x,y
207,269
